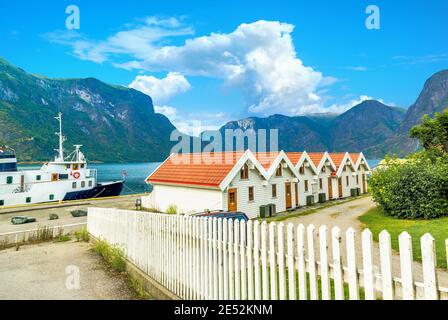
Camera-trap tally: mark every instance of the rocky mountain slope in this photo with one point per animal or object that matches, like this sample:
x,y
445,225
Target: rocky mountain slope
x,y
113,123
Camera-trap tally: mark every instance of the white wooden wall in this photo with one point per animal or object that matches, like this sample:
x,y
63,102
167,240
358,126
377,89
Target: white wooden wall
x,y
204,258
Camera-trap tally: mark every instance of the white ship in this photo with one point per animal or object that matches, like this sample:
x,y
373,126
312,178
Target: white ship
x,y
65,178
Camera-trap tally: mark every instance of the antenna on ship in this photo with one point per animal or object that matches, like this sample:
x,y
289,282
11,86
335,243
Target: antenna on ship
x,y
61,138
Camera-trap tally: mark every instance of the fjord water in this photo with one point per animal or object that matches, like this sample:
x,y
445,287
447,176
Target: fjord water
x,y
136,173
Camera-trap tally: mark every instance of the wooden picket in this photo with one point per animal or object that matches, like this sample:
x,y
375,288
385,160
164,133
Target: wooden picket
x,y
210,258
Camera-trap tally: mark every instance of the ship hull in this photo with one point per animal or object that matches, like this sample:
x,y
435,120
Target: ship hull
x,y
102,190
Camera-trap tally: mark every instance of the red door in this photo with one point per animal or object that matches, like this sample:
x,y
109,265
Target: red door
x,y
232,202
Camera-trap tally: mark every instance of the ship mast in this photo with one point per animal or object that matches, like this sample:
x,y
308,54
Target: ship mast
x,y
61,139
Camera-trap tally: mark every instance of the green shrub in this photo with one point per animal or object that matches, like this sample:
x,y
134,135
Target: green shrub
x,y
414,189
172,209
113,256
82,235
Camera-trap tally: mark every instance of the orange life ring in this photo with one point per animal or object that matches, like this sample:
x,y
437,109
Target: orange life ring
x,y
76,175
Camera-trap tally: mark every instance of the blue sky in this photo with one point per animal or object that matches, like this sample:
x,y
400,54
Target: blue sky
x,y
216,61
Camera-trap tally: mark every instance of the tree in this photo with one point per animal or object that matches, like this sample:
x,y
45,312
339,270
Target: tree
x,y
433,133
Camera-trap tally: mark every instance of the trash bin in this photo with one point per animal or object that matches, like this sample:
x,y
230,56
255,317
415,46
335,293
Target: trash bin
x,y
264,211
322,197
309,200
272,209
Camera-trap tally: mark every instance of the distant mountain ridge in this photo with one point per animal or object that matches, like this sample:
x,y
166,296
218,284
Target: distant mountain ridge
x,y
118,124
113,123
345,132
371,126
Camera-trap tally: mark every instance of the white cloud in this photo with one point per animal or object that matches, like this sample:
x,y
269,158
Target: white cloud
x,y
259,58
161,90
357,68
194,124
340,108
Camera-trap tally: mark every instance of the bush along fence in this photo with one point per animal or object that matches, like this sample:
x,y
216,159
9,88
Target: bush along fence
x,y
205,258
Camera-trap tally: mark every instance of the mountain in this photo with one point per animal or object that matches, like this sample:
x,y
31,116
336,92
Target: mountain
x,y
371,126
433,98
113,123
366,124
310,137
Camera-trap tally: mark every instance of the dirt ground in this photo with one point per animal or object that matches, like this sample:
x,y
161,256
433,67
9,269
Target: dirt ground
x,y
49,271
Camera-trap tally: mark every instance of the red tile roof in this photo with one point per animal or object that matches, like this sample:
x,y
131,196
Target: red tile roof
x,y
337,158
355,157
316,157
266,158
206,169
294,157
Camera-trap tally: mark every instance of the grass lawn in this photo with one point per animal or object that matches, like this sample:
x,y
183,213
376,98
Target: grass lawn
x,y
376,221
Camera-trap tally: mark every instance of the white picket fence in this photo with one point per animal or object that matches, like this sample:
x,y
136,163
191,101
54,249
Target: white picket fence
x,y
204,258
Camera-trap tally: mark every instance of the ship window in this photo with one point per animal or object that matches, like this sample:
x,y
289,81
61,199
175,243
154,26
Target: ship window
x,y
28,199
2,203
54,177
90,183
9,180
74,185
51,196
38,177
82,166
67,166
63,177
83,184
75,167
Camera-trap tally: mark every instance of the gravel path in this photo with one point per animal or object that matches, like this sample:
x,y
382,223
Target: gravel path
x,y
41,272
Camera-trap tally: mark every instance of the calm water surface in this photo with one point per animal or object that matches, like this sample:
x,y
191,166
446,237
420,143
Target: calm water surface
x,y
136,173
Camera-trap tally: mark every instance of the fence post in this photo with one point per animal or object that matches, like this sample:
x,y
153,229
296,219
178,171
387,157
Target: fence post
x,y
250,270
325,279
351,264
291,268
337,264
210,258
225,271
386,265
236,233
301,265
203,260
257,278
281,261
406,259
231,264
220,264
215,260
367,259
429,267
312,263
272,262
264,261
243,261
